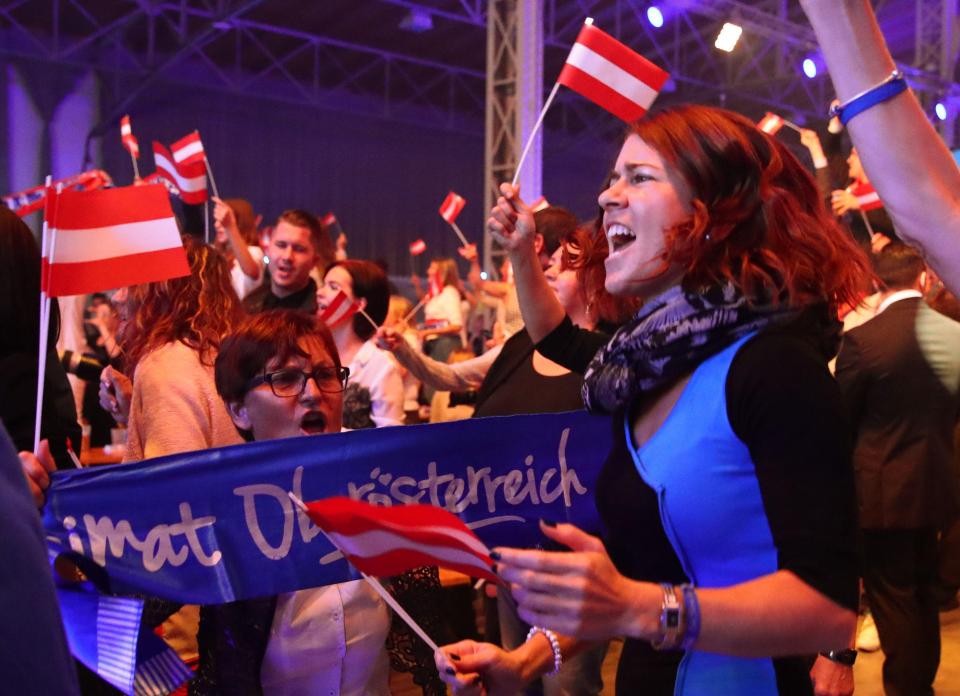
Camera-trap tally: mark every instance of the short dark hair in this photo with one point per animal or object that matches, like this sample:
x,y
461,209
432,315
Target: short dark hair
x,y
898,266
272,335
554,224
369,283
307,220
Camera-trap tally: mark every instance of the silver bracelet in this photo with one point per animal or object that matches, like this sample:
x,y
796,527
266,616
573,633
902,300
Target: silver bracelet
x,y
554,645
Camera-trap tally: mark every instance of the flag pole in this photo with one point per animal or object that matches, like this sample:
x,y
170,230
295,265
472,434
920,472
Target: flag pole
x,y
375,584
791,124
370,319
48,245
213,182
866,222
459,234
533,133
206,221
136,169
416,309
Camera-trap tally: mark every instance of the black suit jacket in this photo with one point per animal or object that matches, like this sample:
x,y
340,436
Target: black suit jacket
x,y
900,377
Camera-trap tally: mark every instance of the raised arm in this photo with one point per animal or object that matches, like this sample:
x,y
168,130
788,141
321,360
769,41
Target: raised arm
x,y
225,220
511,223
461,376
907,162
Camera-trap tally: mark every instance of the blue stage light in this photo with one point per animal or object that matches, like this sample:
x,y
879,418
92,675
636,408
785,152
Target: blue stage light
x,y
655,16
941,111
809,67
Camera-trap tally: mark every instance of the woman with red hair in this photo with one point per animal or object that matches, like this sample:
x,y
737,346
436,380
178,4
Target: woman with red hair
x,y
727,500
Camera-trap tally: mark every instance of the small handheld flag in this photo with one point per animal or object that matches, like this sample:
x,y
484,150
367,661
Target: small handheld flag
x,y
190,180
770,124
33,199
339,310
386,541
867,196
189,150
417,247
451,207
111,238
612,75
130,144
609,74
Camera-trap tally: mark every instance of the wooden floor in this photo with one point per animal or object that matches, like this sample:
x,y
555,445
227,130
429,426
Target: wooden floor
x,y
866,672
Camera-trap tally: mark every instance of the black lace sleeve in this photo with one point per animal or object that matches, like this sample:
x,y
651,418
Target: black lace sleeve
x,y
419,592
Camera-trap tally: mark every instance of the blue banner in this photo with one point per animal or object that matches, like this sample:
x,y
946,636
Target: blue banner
x,y
217,525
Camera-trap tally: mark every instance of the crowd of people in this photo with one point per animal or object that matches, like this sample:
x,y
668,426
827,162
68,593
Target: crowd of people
x,y
779,369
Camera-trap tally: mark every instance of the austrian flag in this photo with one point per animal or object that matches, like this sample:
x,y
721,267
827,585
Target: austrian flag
x,y
128,139
339,310
611,75
867,197
188,150
111,238
770,123
189,179
451,207
386,541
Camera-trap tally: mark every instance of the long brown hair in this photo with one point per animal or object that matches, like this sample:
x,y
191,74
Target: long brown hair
x,y
198,310
758,219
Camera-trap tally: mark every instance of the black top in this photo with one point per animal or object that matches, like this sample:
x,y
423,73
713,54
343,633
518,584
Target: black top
x,y
18,404
784,406
513,386
263,299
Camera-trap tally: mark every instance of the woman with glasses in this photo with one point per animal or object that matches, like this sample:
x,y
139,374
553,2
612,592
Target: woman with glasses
x,y
280,376
374,395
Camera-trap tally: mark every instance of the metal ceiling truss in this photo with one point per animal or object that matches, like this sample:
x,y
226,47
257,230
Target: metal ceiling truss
x,y
220,43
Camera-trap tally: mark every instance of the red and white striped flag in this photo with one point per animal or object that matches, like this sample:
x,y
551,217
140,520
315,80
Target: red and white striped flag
x,y
868,198
111,238
128,139
451,207
386,541
189,179
417,247
612,75
329,220
770,123
188,149
540,204
339,310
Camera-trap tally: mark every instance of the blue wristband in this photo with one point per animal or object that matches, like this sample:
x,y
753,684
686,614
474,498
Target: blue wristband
x,y
691,610
888,89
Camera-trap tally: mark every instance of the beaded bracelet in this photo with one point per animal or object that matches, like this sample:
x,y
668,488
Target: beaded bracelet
x,y
554,645
691,607
893,85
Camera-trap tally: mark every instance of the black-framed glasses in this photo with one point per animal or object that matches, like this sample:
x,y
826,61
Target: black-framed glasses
x,y
292,382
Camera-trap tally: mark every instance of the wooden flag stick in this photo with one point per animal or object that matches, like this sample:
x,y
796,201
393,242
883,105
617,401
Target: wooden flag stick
x,y
533,133
459,234
370,319
136,169
46,244
213,182
416,309
791,124
375,584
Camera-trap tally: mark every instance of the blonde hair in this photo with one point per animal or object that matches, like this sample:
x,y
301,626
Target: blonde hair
x,y
399,307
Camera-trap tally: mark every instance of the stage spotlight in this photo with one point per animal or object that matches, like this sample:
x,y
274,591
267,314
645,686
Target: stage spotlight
x,y
483,275
728,37
655,16
941,111
810,67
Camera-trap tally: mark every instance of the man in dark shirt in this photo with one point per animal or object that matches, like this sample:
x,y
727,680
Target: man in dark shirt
x,y
900,377
293,252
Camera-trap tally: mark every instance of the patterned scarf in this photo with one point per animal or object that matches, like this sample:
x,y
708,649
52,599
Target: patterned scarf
x,y
670,335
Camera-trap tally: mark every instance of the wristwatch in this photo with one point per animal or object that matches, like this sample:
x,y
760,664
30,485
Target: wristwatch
x,y
844,657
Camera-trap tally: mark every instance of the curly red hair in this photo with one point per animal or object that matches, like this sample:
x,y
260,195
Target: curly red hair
x,y
758,220
198,310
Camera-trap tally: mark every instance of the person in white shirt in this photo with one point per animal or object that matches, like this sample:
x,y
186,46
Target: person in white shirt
x,y
374,395
236,239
